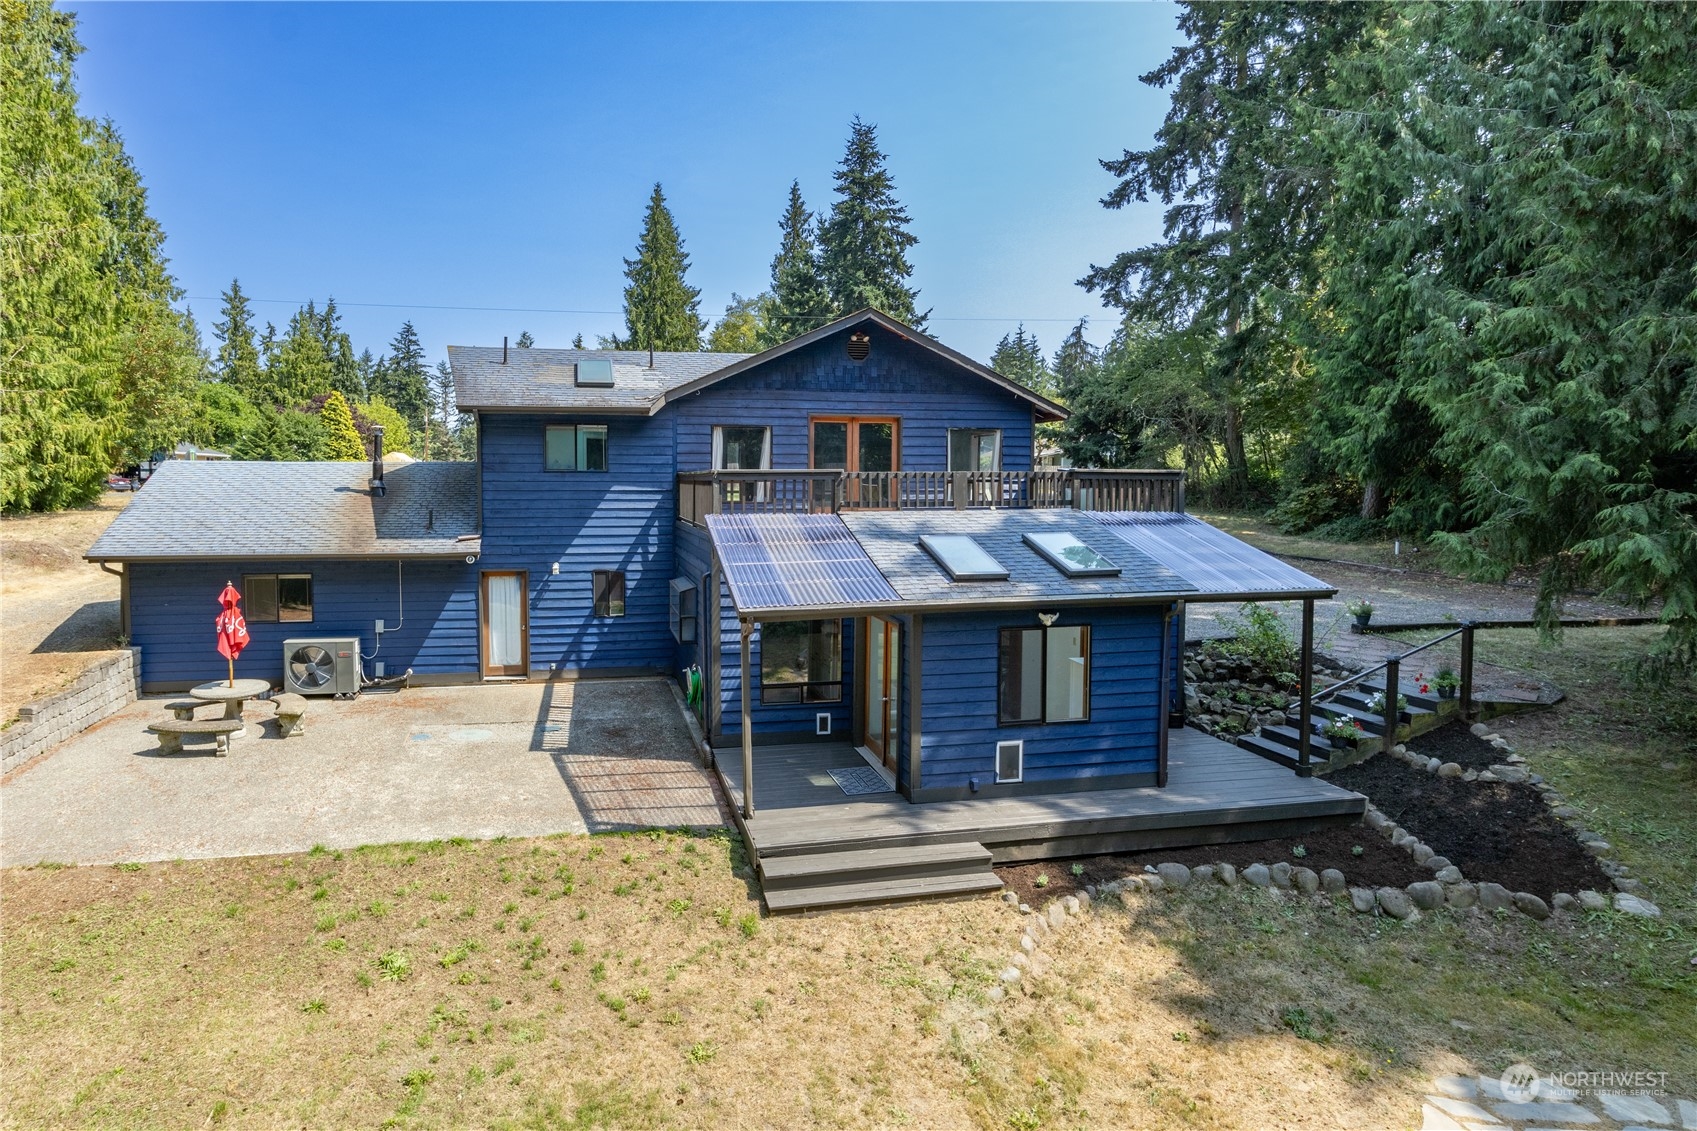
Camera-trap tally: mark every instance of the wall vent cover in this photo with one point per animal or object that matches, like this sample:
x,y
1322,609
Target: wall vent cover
x,y
859,345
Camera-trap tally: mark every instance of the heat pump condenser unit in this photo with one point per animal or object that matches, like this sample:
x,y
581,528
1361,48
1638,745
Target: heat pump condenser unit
x,y
321,666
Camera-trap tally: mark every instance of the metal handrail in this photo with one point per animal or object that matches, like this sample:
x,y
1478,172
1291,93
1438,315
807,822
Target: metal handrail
x,y
1360,675
1392,667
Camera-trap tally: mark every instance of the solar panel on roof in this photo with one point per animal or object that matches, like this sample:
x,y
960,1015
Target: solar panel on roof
x,y
1072,557
962,558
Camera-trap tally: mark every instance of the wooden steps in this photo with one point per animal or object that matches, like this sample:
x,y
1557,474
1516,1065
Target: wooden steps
x,y
1280,743
819,881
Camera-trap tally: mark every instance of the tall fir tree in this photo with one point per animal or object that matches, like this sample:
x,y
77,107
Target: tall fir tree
x,y
345,375
525,341
403,378
800,299
660,307
864,242
1075,361
1018,357
299,368
236,364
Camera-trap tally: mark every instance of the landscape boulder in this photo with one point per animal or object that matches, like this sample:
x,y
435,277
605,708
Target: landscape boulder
x,y
1175,875
1257,875
1395,903
1461,896
1333,881
1428,895
1633,905
1529,904
1593,901
1495,897
1227,874
1306,880
1280,874
1362,900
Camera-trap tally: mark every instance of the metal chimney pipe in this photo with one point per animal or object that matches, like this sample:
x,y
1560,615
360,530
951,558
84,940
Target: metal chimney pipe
x,y
503,349
377,486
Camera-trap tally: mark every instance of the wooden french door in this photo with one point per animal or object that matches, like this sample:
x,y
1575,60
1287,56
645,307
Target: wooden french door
x,y
880,700
504,623
865,444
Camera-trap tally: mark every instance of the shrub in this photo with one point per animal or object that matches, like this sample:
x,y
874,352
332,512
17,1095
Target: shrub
x,y
1261,639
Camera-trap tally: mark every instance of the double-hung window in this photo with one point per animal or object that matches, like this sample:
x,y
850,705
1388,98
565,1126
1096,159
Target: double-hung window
x,y
269,598
575,447
1043,675
801,661
742,447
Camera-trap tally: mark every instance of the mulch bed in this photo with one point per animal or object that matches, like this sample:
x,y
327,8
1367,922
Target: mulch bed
x,y
1455,742
1379,864
1494,832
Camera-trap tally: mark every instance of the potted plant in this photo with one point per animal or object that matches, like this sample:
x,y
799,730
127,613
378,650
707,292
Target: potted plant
x,y
1447,682
1362,611
1342,730
1377,705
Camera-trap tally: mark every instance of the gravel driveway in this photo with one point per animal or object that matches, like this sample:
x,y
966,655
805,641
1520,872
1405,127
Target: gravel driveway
x,y
523,759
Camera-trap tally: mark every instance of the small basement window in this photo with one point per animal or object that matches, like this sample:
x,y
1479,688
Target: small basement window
x,y
1066,553
271,598
962,558
609,592
575,447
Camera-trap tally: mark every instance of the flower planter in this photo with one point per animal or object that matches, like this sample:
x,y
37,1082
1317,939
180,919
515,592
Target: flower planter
x,y
1446,693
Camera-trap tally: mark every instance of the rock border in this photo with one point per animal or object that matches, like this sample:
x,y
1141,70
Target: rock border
x,y
1514,770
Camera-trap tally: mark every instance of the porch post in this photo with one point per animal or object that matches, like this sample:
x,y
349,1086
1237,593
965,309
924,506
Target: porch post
x,y
1467,672
1305,681
915,707
747,729
1163,714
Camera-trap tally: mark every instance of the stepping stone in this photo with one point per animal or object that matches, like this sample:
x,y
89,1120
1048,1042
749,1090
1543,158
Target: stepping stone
x,y
1461,1109
1544,1112
1455,1087
1431,1119
1688,1114
1633,1109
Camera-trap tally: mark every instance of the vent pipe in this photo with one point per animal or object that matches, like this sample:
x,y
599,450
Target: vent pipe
x,y
377,487
503,349
651,357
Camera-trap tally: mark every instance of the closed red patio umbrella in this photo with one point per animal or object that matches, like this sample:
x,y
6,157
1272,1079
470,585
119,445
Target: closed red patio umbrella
x,y
232,628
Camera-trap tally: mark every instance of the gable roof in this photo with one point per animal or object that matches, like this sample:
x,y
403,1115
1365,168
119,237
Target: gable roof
x,y
230,510
543,380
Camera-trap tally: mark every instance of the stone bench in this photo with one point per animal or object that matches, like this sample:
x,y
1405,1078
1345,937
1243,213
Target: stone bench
x,y
183,709
171,733
290,709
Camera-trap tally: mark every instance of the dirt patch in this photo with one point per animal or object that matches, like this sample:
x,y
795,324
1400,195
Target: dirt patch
x,y
1492,831
26,553
1378,864
1455,742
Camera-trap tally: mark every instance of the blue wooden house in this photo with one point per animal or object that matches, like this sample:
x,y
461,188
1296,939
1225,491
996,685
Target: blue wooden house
x,y
899,637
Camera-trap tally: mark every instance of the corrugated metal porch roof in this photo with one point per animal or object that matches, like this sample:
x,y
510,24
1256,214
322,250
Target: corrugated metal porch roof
x,y
1213,560
775,561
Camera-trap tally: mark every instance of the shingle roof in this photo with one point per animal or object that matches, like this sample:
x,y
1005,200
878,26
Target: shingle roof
x,y
235,509
777,563
545,379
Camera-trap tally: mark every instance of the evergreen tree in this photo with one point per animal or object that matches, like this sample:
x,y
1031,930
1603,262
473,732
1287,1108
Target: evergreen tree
x,y
299,367
864,242
800,299
83,284
740,330
220,417
346,376
236,364
341,438
1242,218
660,308
525,341
1019,358
283,434
577,341
402,379
1075,361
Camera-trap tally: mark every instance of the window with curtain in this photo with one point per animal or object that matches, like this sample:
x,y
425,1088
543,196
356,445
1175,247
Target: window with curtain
x,y
742,447
575,447
1043,675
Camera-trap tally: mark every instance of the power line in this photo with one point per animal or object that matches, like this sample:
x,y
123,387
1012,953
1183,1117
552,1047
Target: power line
x,y
551,310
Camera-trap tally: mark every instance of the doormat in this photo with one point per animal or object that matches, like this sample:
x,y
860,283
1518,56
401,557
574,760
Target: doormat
x,y
861,780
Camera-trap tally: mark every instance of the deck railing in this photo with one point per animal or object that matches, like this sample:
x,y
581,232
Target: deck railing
x,y
701,493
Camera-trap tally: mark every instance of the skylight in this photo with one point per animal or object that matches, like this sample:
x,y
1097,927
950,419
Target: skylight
x,y
1072,557
962,558
595,373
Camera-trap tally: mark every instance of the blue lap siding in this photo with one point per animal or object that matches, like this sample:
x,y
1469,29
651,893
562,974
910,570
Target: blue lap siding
x,y
619,519
960,731
172,606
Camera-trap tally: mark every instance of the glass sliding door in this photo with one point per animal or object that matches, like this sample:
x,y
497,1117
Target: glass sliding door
x,y
880,700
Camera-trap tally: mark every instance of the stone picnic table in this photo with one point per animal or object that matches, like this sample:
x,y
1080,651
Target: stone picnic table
x,y
232,695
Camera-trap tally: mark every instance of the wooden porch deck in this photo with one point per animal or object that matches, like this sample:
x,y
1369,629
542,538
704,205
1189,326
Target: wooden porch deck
x,y
1215,793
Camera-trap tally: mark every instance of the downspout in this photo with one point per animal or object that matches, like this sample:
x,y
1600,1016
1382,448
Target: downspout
x,y
123,576
1164,723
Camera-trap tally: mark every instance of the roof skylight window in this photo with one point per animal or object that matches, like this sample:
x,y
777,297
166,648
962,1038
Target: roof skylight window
x,y
1066,553
595,373
962,558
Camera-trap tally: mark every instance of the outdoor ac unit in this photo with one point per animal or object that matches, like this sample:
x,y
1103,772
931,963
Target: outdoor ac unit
x,y
324,666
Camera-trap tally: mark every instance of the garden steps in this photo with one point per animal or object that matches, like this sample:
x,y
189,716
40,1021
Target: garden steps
x,y
1281,743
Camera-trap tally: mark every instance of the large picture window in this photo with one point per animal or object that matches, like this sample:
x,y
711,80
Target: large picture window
x,y
801,661
575,447
1043,675
270,598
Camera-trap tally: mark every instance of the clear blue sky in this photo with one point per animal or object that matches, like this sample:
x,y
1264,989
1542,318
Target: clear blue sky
x,y
432,156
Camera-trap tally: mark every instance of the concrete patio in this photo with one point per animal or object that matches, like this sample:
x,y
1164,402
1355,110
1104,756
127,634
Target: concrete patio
x,y
519,759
